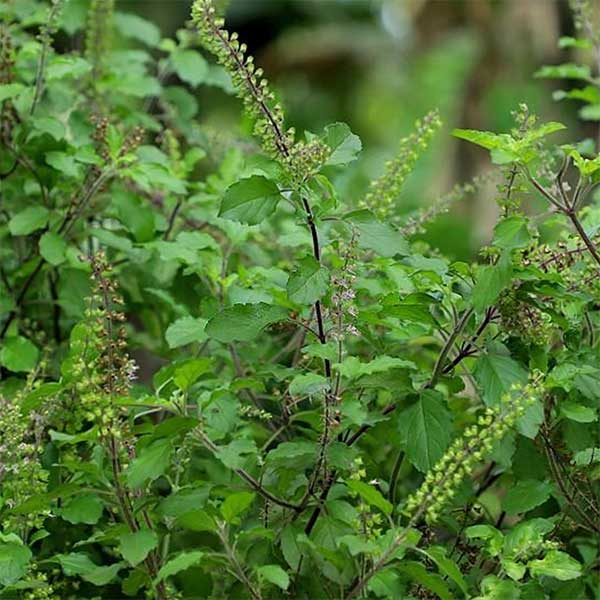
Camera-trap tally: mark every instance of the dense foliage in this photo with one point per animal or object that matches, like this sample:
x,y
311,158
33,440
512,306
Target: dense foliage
x,y
325,406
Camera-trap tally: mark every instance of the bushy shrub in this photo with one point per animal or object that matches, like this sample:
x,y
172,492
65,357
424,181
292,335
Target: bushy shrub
x,y
328,408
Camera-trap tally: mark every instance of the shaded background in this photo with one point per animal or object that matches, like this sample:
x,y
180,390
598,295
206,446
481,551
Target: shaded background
x,y
380,64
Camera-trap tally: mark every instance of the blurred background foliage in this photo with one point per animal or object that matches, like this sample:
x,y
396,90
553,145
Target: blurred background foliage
x,y
378,65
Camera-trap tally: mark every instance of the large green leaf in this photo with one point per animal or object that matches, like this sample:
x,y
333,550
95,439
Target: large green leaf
x,y
496,372
250,200
309,282
243,322
427,425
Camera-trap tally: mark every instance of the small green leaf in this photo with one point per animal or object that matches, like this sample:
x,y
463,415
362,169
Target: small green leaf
x,y
64,163
578,412
29,220
181,562
235,505
53,248
564,71
151,463
371,495
243,322
250,200
135,547
380,237
556,564
18,354
14,560
345,146
511,233
134,27
86,508
190,66
491,281
526,495
186,330
274,574
309,282
308,384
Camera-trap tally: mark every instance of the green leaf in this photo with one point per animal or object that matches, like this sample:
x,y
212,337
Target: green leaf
x,y
53,248
587,457
29,220
18,354
190,66
67,67
135,547
86,508
184,501
427,425
352,368
134,27
181,562
53,127
235,505
526,495
485,139
345,146
512,233
556,564
186,330
190,371
308,384
64,163
380,237
496,372
151,462
232,455
243,322
274,574
250,200
79,563
371,495
564,71
578,412
491,282
309,282
14,559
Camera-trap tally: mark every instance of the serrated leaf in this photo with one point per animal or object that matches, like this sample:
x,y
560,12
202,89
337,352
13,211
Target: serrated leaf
x,y
309,282
496,372
243,322
526,495
491,281
251,200
308,384
345,146
427,425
